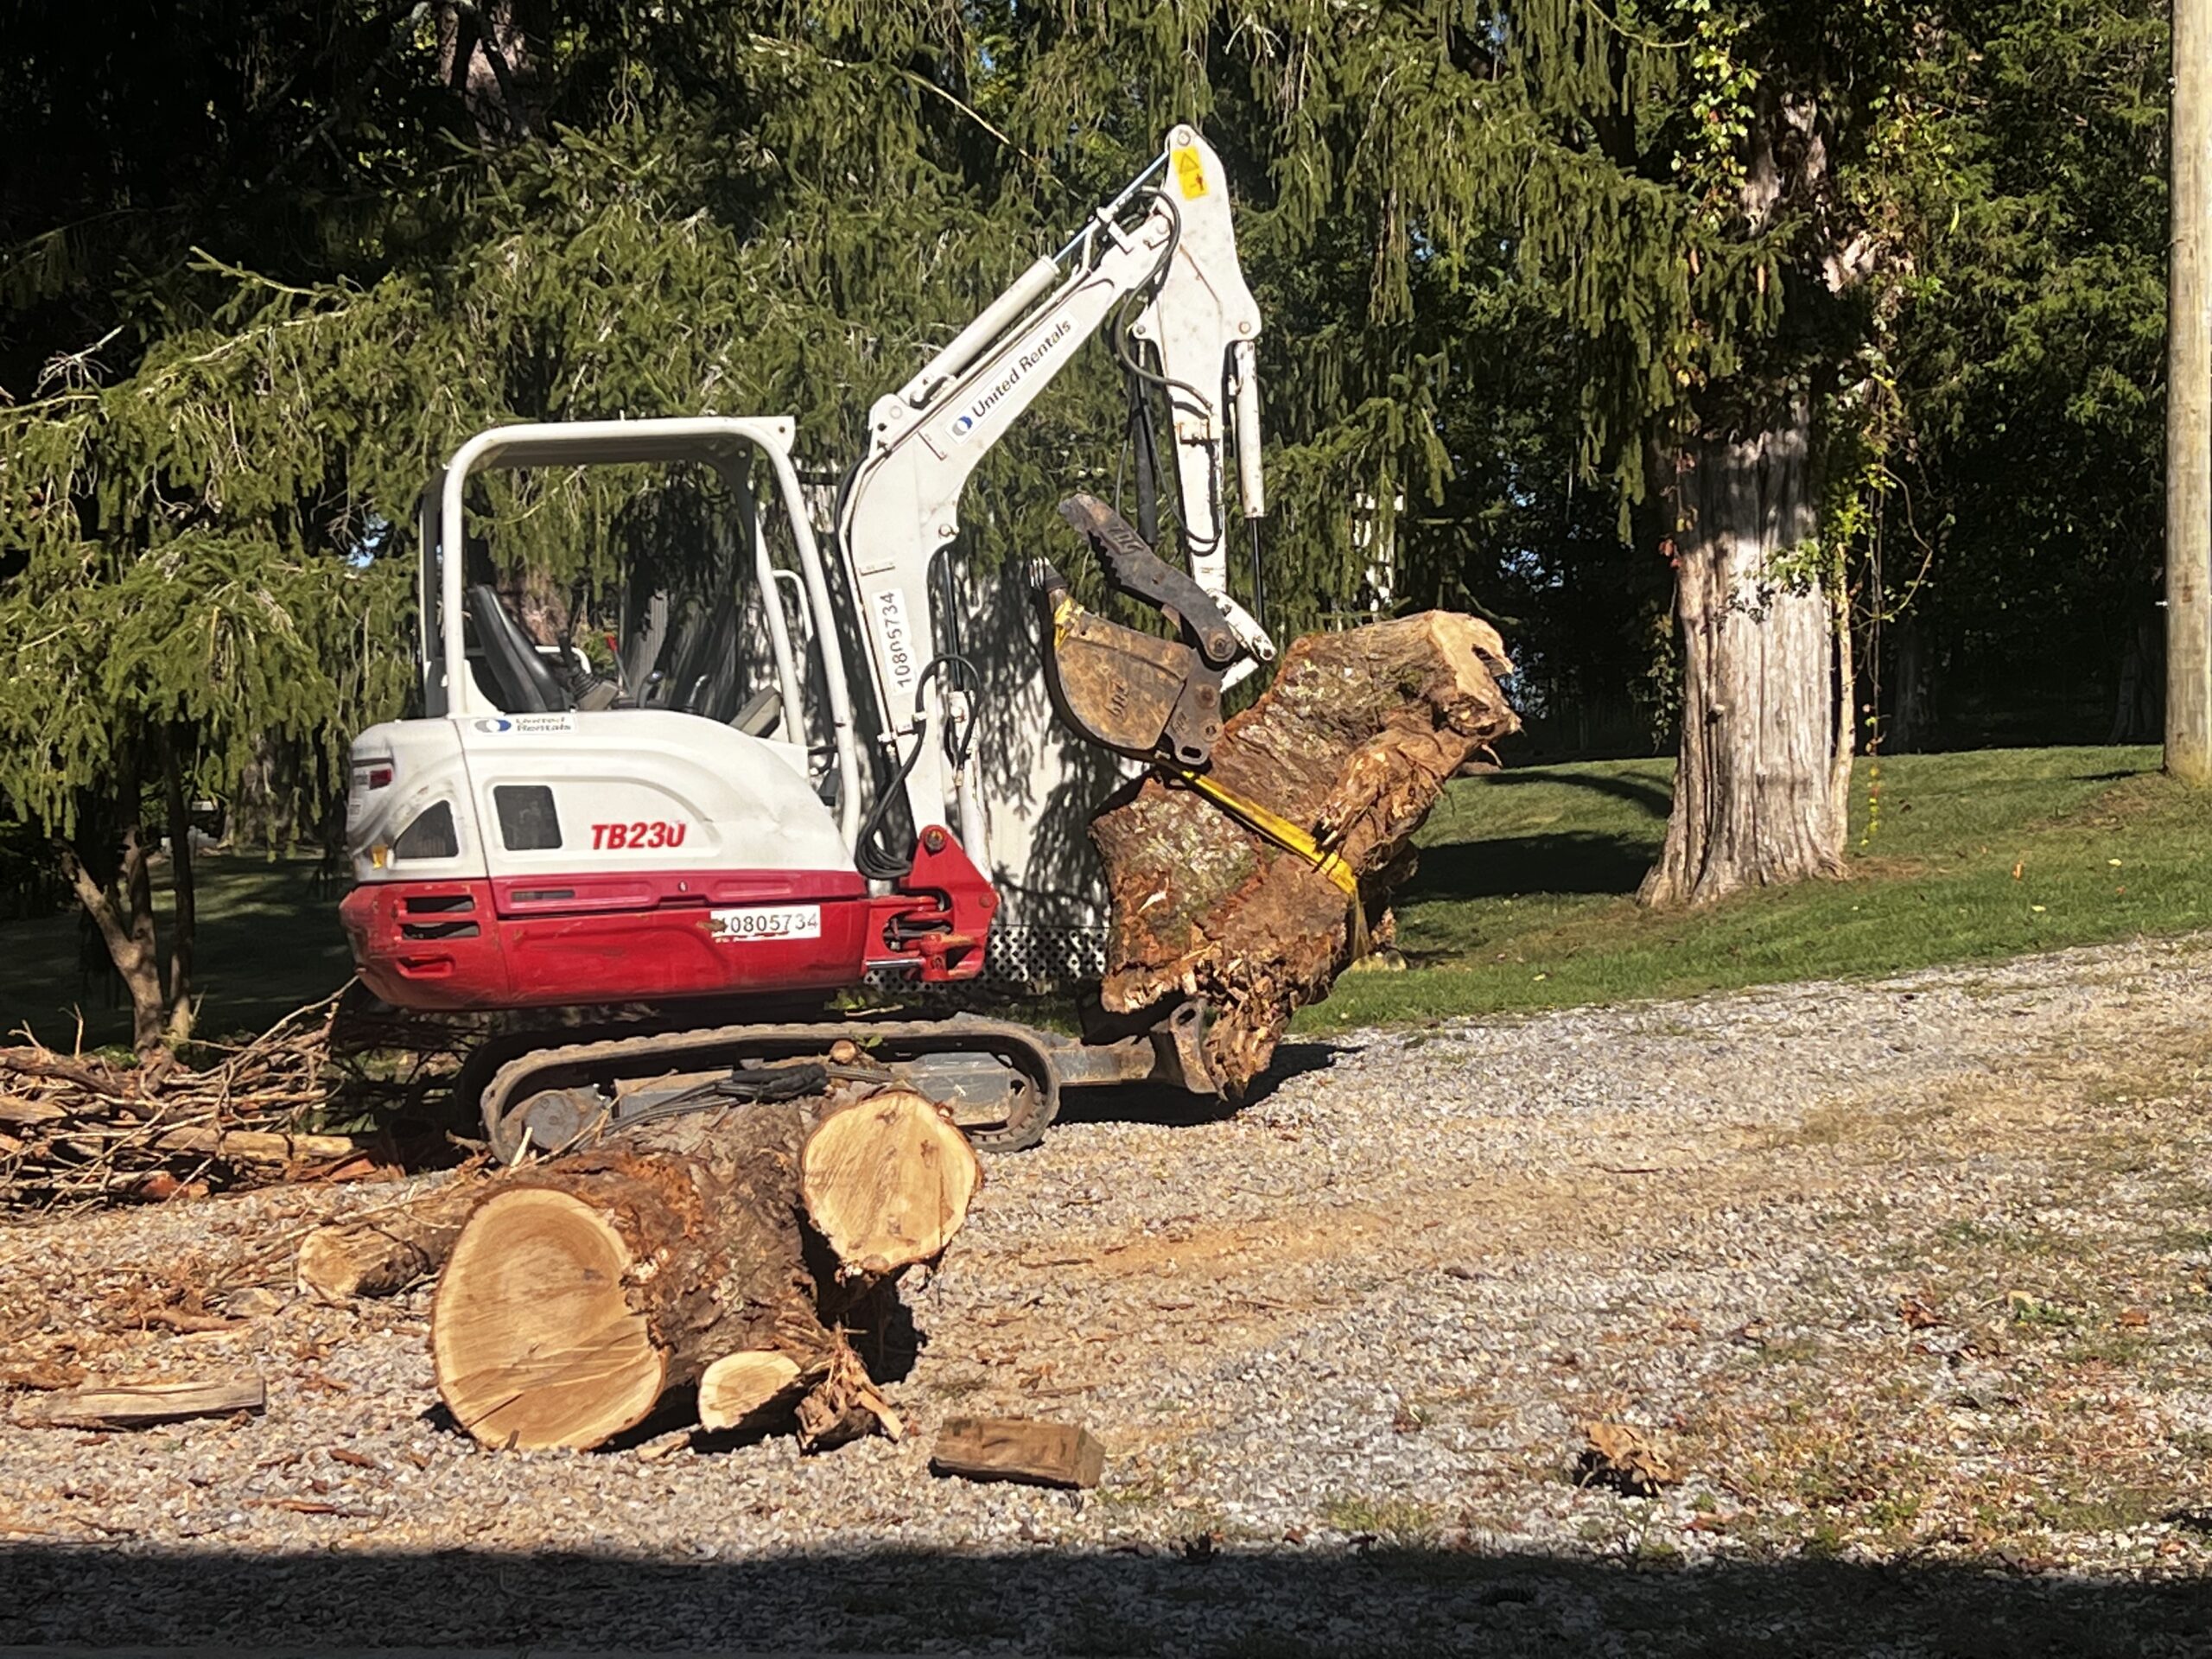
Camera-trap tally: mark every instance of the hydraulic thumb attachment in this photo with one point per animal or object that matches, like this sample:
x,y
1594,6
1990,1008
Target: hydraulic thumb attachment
x,y
1159,700
1136,693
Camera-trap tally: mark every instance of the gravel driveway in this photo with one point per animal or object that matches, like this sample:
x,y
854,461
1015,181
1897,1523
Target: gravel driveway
x,y
1905,1285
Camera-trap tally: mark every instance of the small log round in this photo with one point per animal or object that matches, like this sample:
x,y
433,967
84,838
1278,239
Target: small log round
x,y
888,1182
738,1387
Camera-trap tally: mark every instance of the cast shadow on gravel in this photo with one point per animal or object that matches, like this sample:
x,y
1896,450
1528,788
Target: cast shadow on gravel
x,y
1282,1604
1178,1109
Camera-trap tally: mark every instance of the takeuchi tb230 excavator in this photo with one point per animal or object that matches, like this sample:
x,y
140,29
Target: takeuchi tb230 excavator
x,y
544,837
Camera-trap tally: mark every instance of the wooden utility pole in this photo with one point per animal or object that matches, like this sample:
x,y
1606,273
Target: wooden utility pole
x,y
2189,404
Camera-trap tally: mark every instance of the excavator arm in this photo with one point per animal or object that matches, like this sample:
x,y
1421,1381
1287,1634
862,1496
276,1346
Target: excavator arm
x,y
1165,248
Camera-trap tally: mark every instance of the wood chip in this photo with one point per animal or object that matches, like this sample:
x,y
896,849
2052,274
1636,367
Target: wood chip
x,y
143,1405
44,1377
1619,1456
1019,1449
182,1319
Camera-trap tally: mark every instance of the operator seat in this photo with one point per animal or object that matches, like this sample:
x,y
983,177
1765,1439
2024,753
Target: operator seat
x,y
520,679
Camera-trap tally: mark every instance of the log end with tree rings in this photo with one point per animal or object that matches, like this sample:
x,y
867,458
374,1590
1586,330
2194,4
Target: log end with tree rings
x,y
888,1182
738,1388
534,1339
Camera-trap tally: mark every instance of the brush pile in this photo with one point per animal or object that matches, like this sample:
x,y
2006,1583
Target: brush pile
x,y
78,1129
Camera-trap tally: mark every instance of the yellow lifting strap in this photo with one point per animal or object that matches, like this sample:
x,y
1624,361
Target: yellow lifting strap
x,y
1275,827
1289,837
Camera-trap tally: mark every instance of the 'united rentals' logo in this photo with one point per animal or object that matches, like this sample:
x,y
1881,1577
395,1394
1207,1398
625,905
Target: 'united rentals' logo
x,y
965,422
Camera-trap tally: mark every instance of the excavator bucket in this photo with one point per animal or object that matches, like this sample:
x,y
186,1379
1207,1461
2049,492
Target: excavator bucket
x,y
1136,693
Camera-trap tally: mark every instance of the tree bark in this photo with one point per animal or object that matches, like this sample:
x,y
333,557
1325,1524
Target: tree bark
x,y
1353,742
148,1405
582,1290
1912,717
2189,403
484,56
1761,787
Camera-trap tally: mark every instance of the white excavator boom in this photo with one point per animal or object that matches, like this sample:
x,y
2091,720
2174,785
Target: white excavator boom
x,y
1168,243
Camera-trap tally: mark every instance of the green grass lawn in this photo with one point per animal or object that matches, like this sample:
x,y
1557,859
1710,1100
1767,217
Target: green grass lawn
x,y
269,942
1524,899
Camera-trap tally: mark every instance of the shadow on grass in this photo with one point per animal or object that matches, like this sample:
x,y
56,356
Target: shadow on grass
x,y
1512,865
1259,1605
1653,798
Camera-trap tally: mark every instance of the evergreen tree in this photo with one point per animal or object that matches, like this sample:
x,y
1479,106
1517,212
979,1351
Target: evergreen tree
x,y
1554,289
735,208
2029,368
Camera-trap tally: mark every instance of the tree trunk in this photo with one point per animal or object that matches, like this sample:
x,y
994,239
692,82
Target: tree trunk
x,y
582,1290
1757,800
1912,718
2136,714
184,924
484,56
1353,743
2188,401
112,883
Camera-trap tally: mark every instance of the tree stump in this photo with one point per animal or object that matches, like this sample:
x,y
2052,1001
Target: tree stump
x,y
1353,742
679,1252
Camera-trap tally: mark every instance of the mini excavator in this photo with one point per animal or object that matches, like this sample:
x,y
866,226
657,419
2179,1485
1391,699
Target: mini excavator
x,y
544,837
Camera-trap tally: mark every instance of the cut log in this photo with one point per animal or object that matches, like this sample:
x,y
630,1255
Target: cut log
x,y
677,1253
383,1253
1352,743
888,1182
1015,1448
741,1389
584,1288
145,1405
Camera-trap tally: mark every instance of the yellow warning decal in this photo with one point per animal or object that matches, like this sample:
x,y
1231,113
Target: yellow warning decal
x,y
1190,174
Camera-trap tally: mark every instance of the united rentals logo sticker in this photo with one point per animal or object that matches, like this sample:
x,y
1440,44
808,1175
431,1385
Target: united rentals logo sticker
x,y
526,723
965,422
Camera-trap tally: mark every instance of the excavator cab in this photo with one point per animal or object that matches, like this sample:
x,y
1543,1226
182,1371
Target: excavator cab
x,y
682,826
